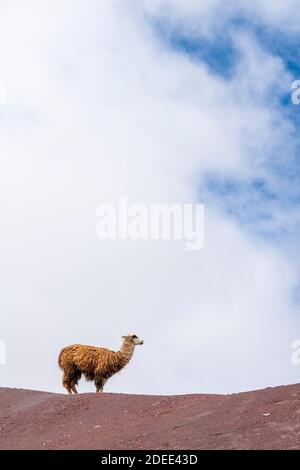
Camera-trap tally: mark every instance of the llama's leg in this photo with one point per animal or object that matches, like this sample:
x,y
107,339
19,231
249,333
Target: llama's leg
x,y
76,376
73,388
99,382
67,383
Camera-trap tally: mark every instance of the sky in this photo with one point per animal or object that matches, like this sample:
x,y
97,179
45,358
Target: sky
x,y
161,101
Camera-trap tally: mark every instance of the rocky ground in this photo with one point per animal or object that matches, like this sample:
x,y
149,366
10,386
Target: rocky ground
x,y
263,419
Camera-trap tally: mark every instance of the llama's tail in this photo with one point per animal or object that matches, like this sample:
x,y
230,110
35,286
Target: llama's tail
x,y
60,358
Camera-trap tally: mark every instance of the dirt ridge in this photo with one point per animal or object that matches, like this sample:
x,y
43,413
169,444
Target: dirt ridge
x,y
262,419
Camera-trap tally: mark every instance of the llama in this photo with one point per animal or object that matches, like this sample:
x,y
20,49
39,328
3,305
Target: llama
x,y
96,364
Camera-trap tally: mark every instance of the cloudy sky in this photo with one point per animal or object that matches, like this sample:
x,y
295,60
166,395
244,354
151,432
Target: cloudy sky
x,y
162,101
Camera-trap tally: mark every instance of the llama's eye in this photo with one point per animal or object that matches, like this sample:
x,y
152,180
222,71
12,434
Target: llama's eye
x,y
134,336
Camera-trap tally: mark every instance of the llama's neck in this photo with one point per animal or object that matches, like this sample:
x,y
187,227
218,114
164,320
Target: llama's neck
x,y
126,351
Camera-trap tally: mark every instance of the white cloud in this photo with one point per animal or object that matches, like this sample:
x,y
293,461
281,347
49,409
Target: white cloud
x,y
98,108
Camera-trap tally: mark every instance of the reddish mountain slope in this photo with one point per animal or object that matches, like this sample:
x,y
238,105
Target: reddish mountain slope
x,y
264,419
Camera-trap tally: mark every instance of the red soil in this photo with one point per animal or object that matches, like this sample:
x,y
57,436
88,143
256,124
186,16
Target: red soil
x,y
264,419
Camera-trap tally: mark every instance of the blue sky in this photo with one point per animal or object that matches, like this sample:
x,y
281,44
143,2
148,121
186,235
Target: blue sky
x,y
253,202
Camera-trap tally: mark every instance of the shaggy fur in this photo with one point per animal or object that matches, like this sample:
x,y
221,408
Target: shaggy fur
x,y
96,364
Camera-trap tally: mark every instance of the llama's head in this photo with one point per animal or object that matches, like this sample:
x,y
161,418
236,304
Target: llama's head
x,y
133,339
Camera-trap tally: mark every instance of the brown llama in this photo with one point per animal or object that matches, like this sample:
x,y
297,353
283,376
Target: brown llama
x,y
96,364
